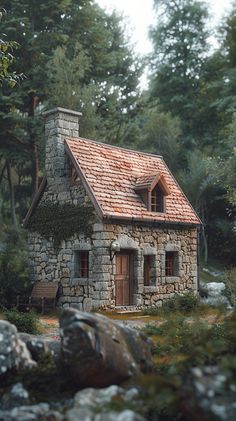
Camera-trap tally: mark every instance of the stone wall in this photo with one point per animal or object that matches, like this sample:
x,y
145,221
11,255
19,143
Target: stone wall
x,y
47,264
99,289
141,241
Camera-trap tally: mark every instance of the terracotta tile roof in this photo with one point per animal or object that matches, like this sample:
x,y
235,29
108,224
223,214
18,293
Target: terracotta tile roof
x,y
112,173
145,181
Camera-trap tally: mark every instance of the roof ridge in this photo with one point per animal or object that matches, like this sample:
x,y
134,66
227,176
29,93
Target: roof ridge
x,y
115,147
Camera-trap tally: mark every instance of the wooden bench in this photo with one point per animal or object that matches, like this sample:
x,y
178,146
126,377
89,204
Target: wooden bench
x,y
43,295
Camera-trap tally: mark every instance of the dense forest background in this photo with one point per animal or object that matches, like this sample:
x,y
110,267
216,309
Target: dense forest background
x,y
73,54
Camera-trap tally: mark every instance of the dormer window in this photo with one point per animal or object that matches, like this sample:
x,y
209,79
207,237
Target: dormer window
x,y
157,199
153,189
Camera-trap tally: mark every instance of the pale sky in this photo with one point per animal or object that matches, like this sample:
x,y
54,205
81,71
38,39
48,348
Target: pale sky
x,y
140,16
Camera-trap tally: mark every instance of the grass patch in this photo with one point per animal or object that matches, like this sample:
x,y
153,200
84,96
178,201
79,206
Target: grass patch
x,y
181,343
27,322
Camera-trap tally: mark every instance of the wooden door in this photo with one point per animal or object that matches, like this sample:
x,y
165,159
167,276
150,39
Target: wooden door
x,y
122,279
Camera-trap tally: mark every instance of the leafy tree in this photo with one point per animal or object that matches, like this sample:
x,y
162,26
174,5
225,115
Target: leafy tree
x,y
161,134
180,46
200,183
99,76
66,86
7,77
230,162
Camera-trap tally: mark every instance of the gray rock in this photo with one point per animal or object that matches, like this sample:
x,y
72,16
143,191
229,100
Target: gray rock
x,y
214,294
79,414
13,352
16,396
85,414
90,404
214,393
97,351
26,413
126,415
39,345
92,398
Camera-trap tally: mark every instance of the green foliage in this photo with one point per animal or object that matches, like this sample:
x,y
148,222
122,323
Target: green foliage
x,y
7,77
61,221
185,304
66,85
74,55
185,344
179,345
180,45
230,282
13,275
161,133
25,322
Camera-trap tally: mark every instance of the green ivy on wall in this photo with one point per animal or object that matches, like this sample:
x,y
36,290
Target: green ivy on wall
x,y
61,221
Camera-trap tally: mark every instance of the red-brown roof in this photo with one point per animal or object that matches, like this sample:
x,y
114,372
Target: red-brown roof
x,y
111,174
146,181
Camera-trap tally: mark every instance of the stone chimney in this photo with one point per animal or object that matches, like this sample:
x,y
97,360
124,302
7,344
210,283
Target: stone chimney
x,y
59,124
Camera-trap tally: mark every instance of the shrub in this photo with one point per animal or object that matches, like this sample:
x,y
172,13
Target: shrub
x,y
13,276
25,322
186,303
230,282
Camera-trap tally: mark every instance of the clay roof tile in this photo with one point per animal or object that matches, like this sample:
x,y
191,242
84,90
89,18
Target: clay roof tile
x,y
115,175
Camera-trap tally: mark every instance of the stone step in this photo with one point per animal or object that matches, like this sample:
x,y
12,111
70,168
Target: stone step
x,y
127,309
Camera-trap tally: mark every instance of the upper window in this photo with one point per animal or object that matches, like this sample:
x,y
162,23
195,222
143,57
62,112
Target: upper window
x,y
81,264
157,199
153,190
172,263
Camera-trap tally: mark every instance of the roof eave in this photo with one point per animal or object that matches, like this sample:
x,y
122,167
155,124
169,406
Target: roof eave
x,y
108,218
82,176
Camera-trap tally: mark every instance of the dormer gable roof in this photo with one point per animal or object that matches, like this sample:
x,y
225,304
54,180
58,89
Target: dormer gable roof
x,y
149,182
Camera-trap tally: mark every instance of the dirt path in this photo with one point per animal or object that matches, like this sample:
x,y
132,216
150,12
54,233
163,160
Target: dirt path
x,y
50,324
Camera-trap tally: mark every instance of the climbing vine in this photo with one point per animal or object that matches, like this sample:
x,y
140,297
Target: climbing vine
x,y
61,221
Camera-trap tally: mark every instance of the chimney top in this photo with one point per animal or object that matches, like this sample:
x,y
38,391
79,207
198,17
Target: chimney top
x,y
61,110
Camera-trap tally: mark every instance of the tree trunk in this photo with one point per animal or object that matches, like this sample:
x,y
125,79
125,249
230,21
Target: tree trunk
x,y
2,172
204,237
34,100
11,194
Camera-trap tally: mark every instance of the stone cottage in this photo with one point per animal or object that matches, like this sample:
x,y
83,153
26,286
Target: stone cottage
x,y
142,243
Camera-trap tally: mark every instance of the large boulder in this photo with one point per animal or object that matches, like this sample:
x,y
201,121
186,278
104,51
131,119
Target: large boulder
x,y
214,294
13,352
97,351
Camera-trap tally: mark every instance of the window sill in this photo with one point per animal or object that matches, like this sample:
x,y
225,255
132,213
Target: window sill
x,y
172,279
150,288
80,281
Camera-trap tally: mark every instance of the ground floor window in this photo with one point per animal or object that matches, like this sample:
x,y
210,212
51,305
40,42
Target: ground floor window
x,y
149,270
172,263
81,264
